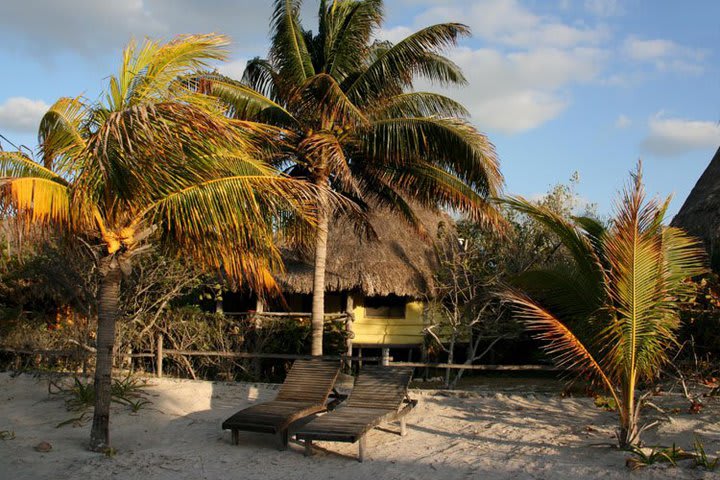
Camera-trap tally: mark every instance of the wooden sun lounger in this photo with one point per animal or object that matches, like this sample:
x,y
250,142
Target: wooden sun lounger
x,y
304,392
377,397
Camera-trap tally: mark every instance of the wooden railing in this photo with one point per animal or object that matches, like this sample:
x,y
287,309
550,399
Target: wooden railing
x,y
161,353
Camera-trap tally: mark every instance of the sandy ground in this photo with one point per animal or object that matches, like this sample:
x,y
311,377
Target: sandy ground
x,y
450,436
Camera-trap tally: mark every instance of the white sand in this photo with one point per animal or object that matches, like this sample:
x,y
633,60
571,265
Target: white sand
x,y
450,436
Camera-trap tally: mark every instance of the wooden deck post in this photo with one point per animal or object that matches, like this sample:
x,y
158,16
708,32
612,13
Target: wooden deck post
x,y
308,448
349,307
385,357
362,446
403,427
159,358
283,438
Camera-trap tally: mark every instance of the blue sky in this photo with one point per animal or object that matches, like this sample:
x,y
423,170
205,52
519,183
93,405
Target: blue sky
x,y
559,85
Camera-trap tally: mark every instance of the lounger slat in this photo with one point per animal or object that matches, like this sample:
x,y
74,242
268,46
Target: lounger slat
x,y
376,398
304,392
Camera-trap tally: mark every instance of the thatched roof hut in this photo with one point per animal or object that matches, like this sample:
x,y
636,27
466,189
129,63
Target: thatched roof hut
x,y
700,214
399,262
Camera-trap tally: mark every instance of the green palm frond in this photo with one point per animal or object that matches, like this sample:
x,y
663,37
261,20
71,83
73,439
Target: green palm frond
x,y
61,134
414,55
17,164
322,101
452,144
243,101
212,219
570,235
289,50
261,76
346,28
420,104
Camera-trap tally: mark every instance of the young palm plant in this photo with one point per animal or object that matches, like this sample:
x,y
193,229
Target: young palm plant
x,y
611,312
154,165
351,120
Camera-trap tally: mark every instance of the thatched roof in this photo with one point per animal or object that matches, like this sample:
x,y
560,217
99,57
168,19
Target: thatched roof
x,y
399,262
700,214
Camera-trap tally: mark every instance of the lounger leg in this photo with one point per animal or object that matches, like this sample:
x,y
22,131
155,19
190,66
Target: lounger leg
x,y
282,439
403,427
361,449
235,437
308,448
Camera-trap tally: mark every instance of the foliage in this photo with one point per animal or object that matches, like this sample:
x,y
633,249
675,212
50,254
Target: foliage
x,y
7,435
351,120
155,164
701,458
80,395
613,311
701,319
642,458
474,262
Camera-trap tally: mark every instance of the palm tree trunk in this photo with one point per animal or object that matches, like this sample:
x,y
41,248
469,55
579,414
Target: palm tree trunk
x,y
108,300
318,304
629,432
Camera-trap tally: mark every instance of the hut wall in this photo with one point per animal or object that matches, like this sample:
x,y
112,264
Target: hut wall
x,y
385,330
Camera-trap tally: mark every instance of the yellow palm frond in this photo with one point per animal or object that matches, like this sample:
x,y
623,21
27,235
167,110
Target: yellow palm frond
x,y
38,199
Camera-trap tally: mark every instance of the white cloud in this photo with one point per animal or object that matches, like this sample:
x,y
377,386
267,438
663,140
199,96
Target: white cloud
x,y
233,69
674,136
665,55
21,115
519,91
603,8
509,23
623,121
48,28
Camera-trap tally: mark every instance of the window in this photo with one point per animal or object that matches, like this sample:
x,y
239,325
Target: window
x,y
390,306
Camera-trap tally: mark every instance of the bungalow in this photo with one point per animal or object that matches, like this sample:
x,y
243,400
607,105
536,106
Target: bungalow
x,y
382,282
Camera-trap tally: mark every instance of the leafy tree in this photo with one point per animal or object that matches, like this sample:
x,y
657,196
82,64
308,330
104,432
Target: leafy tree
x,y
474,263
613,311
152,164
351,121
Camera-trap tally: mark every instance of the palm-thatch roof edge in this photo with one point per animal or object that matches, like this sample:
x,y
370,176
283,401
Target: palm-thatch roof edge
x,y
700,214
399,262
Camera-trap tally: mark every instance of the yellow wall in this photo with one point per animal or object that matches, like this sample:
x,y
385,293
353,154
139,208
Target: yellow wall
x,y
389,331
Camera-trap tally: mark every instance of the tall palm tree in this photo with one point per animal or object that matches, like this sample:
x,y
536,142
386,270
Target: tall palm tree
x,y
154,165
613,312
351,121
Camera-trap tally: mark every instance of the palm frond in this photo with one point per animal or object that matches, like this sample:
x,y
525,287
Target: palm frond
x,y
260,75
244,102
415,55
321,101
451,144
289,50
559,341
346,28
38,200
419,104
61,134
17,164
151,72
581,249
224,222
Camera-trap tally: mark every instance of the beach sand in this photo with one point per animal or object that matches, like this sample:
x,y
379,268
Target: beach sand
x,y
451,435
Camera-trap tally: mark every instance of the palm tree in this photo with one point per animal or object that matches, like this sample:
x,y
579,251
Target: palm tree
x,y
351,121
153,165
613,311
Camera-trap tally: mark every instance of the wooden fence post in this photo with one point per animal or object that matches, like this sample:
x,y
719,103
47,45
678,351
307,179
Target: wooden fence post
x,y
159,353
385,357
349,330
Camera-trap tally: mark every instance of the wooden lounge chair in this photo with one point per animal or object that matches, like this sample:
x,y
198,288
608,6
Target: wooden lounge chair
x,y
377,397
304,392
